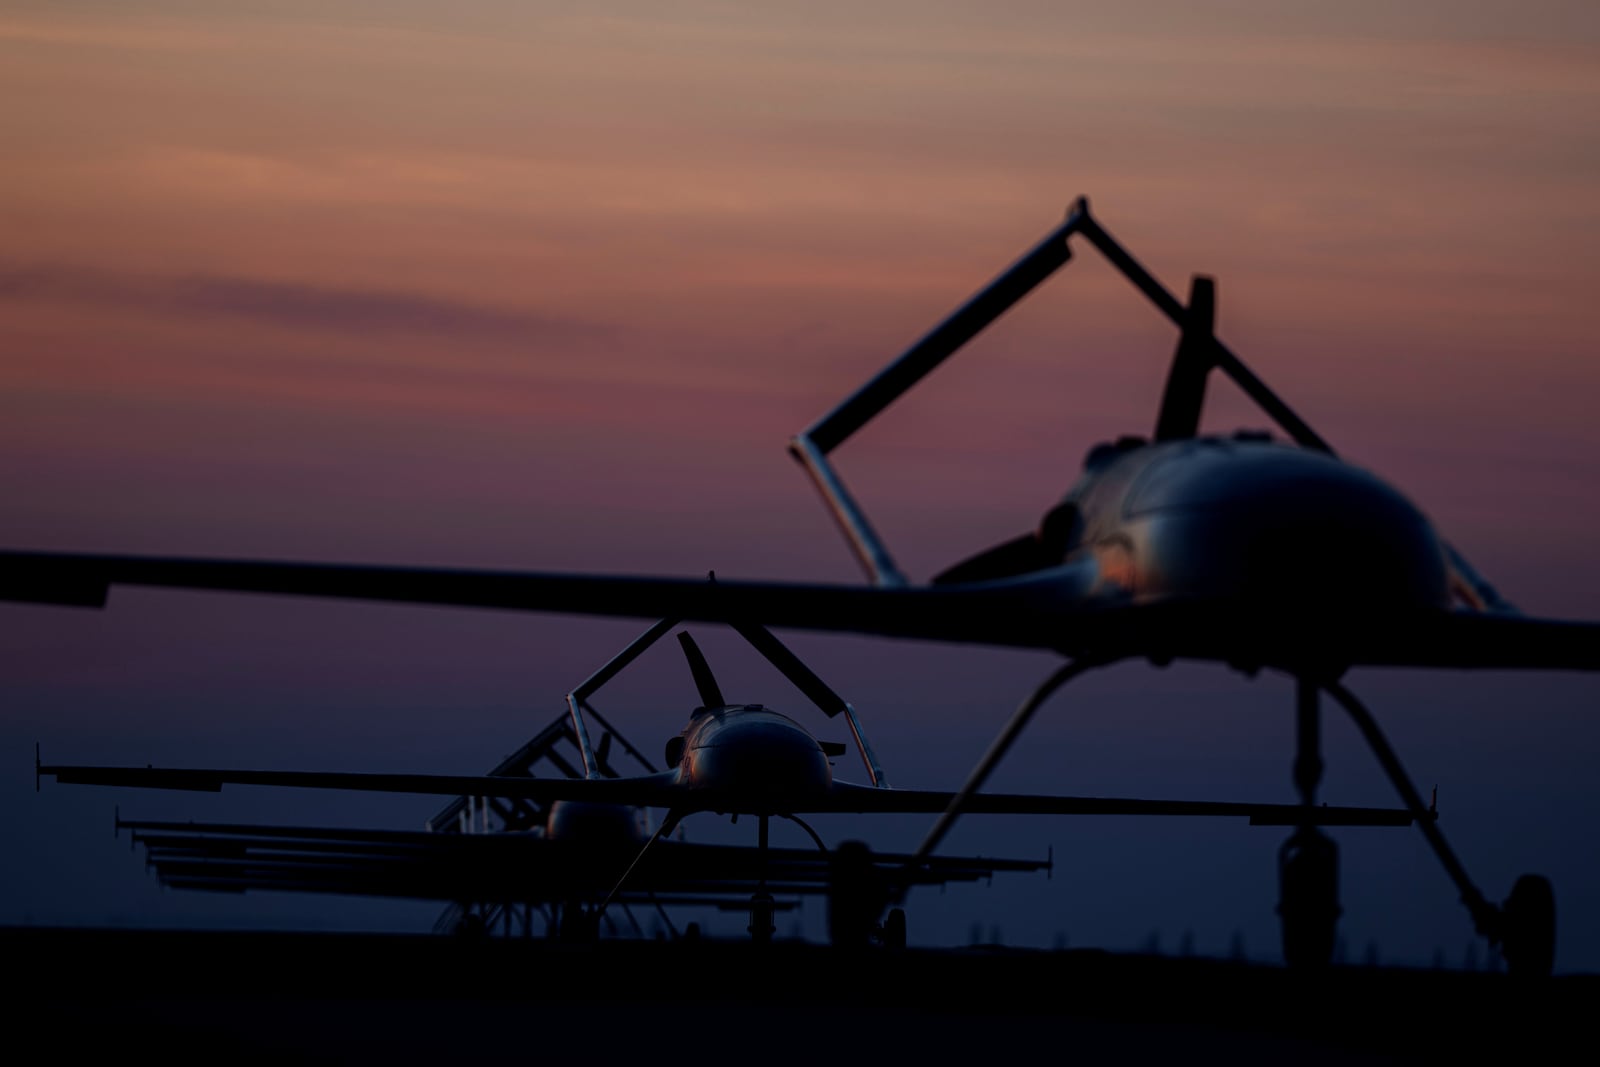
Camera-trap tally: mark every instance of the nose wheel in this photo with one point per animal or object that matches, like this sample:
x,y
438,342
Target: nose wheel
x,y
762,923
1308,898
1308,863
762,909
1524,926
893,934
1528,927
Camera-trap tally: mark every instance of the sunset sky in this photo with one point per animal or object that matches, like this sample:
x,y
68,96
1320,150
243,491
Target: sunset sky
x,y
550,285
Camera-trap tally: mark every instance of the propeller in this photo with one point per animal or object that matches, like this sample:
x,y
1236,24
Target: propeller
x,y
1033,551
704,681
1181,404
1198,353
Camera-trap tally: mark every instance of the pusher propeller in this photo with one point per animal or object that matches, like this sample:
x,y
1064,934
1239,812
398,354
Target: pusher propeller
x,y
704,680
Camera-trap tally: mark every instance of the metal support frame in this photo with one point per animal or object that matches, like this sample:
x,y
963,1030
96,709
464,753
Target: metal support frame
x,y
763,641
1225,360
868,757
576,700
543,747
1308,741
627,747
812,445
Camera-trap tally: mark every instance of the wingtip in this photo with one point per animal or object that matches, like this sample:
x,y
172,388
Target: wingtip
x,y
45,578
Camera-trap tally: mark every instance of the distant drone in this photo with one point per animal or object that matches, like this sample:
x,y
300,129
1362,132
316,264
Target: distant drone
x,y
730,758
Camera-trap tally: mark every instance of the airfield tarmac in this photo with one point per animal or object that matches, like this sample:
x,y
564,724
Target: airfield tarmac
x,y
260,997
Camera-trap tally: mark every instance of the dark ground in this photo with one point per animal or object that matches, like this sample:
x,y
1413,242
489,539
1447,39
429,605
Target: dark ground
x,y
232,997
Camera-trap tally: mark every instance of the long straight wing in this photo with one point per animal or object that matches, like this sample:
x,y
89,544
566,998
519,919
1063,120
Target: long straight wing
x,y
858,798
1052,609
997,614
663,791
218,838
498,866
656,790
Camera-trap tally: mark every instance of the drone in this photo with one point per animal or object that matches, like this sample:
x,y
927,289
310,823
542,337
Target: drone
x,y
731,758
1259,554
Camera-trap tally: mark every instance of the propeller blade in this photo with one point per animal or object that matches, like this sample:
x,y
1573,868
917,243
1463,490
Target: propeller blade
x,y
1185,394
1020,555
704,681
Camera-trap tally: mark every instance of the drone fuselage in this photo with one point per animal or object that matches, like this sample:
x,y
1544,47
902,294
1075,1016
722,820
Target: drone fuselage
x,y
759,760
591,823
1250,522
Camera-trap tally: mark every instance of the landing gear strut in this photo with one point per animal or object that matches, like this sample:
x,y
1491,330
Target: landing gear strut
x,y
894,929
762,926
1308,898
1524,927
1308,863
1528,927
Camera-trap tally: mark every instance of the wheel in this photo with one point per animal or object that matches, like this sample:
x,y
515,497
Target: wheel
x,y
1528,927
1308,899
578,926
855,896
894,929
761,926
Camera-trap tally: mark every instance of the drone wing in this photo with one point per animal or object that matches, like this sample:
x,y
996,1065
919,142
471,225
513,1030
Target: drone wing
x,y
432,865
846,797
1471,640
663,791
655,790
1055,608
991,613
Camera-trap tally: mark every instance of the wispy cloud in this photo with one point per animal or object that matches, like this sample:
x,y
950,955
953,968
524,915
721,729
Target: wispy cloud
x,y
293,305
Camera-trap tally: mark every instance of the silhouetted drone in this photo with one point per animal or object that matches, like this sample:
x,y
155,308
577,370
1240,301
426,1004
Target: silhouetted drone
x,y
1236,550
730,758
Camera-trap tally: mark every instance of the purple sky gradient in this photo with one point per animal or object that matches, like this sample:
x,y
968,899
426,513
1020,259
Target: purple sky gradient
x,y
550,286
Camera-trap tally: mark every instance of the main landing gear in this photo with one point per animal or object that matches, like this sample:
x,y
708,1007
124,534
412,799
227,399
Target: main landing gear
x,y
762,908
1308,898
1523,927
857,895
1308,863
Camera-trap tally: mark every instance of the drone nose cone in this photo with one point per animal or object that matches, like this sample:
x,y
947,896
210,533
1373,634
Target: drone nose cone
x,y
761,764
1286,528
